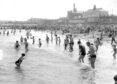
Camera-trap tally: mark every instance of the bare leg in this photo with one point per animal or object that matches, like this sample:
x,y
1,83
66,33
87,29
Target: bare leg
x,y
114,55
83,59
93,63
79,59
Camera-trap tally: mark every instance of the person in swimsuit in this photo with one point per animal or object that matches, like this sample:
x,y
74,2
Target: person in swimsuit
x,y
66,42
19,61
97,43
33,39
47,39
40,42
92,55
71,43
26,45
82,52
17,45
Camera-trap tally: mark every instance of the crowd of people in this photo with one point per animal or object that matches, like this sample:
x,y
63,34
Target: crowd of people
x,y
68,45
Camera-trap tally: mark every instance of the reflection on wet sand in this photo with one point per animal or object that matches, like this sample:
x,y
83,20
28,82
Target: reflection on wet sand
x,y
20,76
87,76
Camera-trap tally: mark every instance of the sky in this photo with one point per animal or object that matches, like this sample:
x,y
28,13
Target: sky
x,y
21,10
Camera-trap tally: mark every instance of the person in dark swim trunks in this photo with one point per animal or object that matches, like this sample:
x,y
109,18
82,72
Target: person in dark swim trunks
x,y
92,55
19,61
82,52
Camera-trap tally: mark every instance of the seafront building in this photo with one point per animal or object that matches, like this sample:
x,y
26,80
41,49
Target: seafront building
x,y
91,16
94,16
95,12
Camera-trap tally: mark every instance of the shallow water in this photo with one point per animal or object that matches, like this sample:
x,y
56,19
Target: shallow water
x,y
51,64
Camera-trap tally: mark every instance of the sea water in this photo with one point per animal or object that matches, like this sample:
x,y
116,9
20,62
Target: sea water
x,y
51,64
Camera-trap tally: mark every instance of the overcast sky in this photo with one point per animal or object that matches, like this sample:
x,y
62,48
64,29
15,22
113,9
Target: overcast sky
x,y
51,9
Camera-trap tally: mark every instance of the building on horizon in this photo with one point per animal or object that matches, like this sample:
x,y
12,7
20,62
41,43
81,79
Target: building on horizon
x,y
94,15
95,12
74,14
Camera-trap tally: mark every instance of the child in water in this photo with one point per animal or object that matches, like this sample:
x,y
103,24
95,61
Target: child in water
x,y
19,61
17,45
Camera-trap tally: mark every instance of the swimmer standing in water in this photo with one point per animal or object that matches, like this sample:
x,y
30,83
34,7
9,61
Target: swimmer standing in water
x,y
59,40
92,55
66,42
33,38
17,45
40,42
21,39
26,45
71,43
97,43
82,52
47,39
